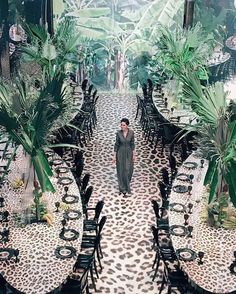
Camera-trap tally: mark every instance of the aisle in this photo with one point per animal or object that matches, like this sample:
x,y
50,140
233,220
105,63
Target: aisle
x,y
127,237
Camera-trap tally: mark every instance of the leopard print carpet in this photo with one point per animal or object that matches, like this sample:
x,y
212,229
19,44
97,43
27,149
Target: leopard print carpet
x,y
127,238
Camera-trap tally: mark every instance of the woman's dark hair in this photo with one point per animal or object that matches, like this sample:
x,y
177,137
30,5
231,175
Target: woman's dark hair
x,y
125,120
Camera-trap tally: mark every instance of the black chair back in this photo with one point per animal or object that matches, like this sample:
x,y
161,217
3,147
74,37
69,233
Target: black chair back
x,y
101,224
85,182
98,209
156,208
86,196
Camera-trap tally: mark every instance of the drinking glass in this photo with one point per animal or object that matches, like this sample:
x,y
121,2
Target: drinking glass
x,y
186,217
200,255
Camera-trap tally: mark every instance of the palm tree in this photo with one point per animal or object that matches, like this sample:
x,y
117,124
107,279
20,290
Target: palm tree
x,y
217,130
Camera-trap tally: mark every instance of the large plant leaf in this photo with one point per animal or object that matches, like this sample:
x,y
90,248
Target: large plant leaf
x,y
213,185
210,172
90,12
49,51
231,181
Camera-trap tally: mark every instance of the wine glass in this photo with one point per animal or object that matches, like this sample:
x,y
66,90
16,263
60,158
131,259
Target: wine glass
x,y
5,216
190,206
57,204
63,222
190,229
200,255
5,235
235,256
57,172
191,178
16,253
1,201
186,217
202,163
189,190
66,189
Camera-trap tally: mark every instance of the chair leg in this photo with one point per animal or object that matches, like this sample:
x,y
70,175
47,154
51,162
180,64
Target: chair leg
x,y
95,268
162,284
92,279
154,262
100,250
99,260
156,269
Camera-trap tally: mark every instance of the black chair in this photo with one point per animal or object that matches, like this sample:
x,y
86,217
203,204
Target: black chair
x,y
85,197
92,224
87,261
173,166
139,106
175,278
166,179
84,183
88,241
84,85
74,286
164,196
163,250
162,224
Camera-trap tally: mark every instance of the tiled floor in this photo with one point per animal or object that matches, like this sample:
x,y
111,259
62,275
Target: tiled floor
x,y
127,238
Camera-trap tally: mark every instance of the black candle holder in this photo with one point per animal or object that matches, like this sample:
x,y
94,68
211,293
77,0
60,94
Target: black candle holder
x,y
190,190
63,222
202,163
191,177
190,206
16,253
190,229
186,217
66,189
57,204
200,255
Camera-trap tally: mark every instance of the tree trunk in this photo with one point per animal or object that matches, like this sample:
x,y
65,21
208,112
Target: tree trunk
x,y
122,67
116,69
188,13
4,41
109,71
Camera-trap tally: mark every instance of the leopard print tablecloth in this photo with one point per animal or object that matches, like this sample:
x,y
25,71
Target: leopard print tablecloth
x,y
218,244
39,270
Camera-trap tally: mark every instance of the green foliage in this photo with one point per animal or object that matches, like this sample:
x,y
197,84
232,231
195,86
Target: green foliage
x,y
184,50
30,115
217,133
51,53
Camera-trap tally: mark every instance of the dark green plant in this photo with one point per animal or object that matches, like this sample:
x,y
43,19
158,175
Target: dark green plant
x,y
217,131
29,116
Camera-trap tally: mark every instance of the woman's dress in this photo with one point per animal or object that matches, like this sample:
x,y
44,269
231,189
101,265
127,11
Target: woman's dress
x,y
124,148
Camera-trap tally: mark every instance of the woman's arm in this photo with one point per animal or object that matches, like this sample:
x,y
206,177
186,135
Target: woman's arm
x,y
116,147
132,145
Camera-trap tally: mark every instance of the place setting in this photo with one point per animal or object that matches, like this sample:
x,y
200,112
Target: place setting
x,y
9,253
64,252
190,165
186,254
69,198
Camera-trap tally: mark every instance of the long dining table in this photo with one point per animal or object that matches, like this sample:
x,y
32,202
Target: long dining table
x,y
47,253
216,244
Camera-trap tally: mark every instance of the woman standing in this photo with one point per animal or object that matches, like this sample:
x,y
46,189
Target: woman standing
x,y
124,156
